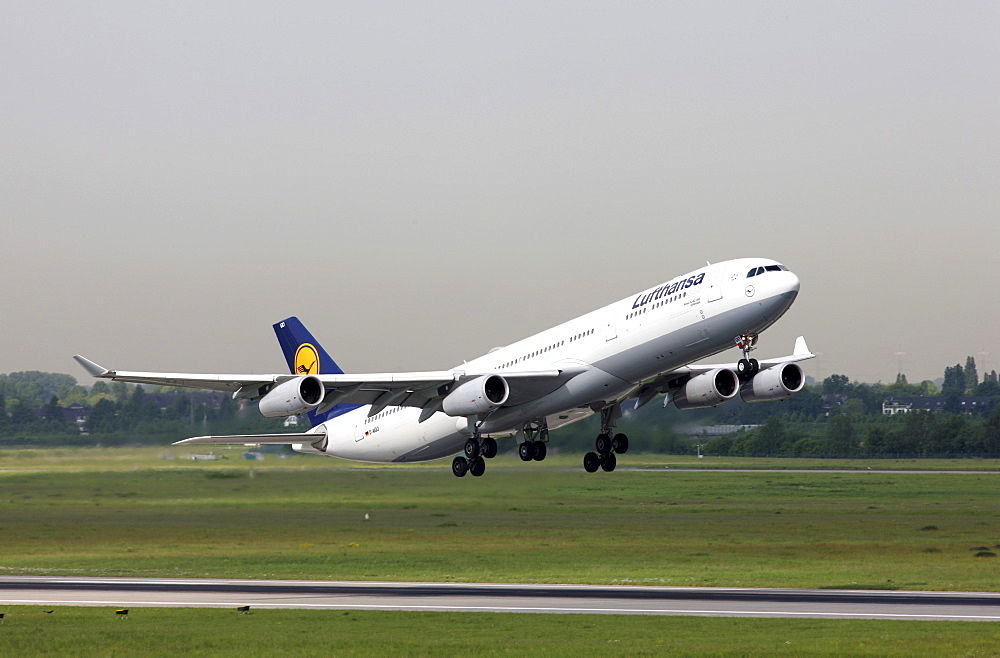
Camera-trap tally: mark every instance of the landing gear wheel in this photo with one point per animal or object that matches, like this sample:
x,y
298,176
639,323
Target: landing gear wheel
x,y
754,366
591,462
540,451
619,444
489,448
743,368
472,449
477,467
459,466
603,444
608,462
526,451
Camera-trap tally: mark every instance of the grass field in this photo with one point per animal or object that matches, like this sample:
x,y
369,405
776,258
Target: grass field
x,y
77,631
149,512
304,517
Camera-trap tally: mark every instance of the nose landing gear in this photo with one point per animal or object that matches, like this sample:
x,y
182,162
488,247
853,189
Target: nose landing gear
x,y
747,367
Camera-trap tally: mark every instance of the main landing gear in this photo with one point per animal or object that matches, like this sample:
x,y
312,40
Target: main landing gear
x,y
534,445
747,367
477,451
606,444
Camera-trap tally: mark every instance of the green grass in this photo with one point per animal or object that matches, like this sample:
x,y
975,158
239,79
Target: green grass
x,y
80,631
303,517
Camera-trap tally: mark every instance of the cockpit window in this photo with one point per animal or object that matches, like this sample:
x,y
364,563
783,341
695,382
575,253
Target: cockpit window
x,y
757,271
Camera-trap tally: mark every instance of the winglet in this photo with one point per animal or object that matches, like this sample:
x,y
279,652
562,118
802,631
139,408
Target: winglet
x,y
800,347
91,367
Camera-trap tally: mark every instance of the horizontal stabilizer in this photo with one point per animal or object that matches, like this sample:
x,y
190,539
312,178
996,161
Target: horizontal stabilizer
x,y
259,439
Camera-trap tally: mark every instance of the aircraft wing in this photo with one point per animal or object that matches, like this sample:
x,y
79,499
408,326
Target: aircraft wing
x,y
673,379
799,353
414,389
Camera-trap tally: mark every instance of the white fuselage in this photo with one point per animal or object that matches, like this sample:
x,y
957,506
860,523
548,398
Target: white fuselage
x,y
615,348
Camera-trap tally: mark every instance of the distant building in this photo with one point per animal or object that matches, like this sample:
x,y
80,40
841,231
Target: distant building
x,y
76,413
967,404
718,430
831,400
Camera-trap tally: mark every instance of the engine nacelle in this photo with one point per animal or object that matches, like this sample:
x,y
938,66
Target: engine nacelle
x,y
477,396
708,389
292,397
775,383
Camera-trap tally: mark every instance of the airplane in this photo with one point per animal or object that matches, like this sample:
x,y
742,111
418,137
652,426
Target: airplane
x,y
626,353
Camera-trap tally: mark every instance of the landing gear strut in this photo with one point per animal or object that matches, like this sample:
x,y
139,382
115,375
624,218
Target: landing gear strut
x,y
477,451
746,367
605,444
536,437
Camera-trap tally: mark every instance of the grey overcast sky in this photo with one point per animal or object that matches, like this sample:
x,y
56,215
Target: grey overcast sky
x,y
420,182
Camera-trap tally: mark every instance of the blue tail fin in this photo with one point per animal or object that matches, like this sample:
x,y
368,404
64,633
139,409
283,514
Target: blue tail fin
x,y
305,356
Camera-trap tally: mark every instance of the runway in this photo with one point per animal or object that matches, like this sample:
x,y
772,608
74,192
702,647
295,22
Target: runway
x,y
463,597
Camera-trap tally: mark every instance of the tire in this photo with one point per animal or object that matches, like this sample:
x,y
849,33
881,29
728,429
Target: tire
x,y
477,468
591,462
472,449
540,451
526,451
609,462
489,448
619,444
742,368
754,366
603,444
459,466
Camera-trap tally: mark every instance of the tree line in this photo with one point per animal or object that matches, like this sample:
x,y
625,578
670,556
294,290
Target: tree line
x,y
835,417
841,418
38,409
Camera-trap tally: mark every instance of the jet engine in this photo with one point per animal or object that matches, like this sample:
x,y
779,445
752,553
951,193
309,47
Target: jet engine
x,y
477,396
708,389
776,383
292,397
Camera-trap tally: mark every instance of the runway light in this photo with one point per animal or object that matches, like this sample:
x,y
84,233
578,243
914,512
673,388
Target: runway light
x,y
122,613
243,609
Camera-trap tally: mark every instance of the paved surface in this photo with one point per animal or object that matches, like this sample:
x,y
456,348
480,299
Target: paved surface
x,y
668,469
582,599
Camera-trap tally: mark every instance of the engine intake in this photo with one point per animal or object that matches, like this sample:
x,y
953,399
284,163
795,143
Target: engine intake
x,y
476,396
708,389
776,383
292,397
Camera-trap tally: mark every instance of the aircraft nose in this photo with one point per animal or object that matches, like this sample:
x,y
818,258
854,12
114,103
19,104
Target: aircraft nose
x,y
792,282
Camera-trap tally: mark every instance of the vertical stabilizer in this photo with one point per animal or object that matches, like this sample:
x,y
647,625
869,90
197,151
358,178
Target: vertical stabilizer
x,y
305,356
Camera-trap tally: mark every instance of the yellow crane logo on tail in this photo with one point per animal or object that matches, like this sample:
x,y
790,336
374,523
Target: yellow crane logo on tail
x,y
306,360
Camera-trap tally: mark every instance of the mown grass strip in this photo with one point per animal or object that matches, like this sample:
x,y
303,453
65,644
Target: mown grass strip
x,y
94,631
814,530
